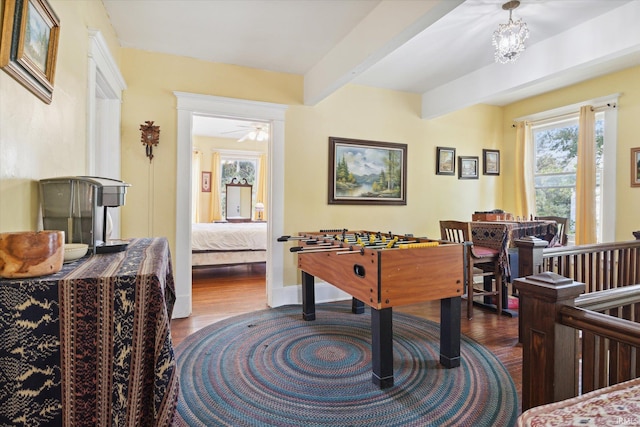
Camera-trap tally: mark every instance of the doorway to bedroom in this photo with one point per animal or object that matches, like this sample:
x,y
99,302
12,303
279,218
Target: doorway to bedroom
x,y
190,105
229,194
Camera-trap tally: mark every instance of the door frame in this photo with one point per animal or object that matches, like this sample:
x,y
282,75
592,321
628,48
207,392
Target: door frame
x,y
188,105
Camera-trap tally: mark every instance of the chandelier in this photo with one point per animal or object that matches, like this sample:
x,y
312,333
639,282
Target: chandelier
x,y
509,38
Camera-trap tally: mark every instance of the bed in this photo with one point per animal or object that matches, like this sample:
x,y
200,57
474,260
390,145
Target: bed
x,y
228,243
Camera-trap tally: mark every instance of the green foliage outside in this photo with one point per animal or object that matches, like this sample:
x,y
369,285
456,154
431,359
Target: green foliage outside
x,y
239,169
555,170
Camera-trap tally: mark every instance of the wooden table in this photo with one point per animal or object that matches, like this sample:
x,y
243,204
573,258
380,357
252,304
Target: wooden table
x,y
500,235
91,345
383,278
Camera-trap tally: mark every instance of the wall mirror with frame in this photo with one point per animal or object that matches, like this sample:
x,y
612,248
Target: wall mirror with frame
x,y
238,201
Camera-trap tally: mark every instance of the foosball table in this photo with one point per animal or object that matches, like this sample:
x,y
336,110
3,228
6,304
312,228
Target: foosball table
x,y
383,270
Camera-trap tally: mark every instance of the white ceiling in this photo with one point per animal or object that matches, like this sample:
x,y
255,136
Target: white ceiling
x,y
440,49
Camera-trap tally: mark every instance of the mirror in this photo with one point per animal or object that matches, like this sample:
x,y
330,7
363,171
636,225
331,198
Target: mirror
x,y
238,201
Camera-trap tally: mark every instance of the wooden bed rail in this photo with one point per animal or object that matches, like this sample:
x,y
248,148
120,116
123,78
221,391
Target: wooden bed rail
x,y
574,344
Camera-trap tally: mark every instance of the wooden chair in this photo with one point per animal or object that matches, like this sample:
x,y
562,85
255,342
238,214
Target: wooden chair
x,y
480,261
561,234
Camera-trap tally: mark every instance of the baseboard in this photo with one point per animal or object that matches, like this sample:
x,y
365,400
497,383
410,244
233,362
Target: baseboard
x,y
324,292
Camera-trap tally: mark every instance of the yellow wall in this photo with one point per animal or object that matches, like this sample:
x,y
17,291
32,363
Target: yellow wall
x,y
627,83
355,112
151,80
38,140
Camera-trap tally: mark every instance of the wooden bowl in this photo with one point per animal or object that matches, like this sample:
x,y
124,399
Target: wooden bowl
x,y
31,253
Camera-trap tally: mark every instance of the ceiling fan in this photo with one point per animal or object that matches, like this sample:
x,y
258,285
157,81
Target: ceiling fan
x,y
256,132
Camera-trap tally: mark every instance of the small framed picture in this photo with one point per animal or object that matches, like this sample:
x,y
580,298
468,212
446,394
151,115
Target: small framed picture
x,y
635,167
206,182
445,161
491,162
468,167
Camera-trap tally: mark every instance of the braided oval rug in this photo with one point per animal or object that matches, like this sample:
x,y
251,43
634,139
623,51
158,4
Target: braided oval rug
x,y
271,368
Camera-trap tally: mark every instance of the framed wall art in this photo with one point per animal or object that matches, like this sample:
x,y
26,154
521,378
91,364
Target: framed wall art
x,y
491,162
206,182
367,172
468,167
445,161
635,167
29,45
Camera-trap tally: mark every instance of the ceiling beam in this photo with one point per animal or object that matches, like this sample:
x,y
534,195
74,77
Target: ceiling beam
x,y
391,24
594,45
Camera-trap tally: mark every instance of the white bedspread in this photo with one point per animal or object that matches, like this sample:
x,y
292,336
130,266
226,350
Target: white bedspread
x,y
229,236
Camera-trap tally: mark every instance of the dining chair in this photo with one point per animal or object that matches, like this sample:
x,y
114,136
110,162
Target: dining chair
x,y
480,262
561,234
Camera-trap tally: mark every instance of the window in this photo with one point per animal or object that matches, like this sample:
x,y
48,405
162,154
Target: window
x,y
239,168
556,157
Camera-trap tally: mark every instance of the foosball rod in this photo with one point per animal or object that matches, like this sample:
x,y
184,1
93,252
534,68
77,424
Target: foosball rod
x,y
386,246
302,249
304,238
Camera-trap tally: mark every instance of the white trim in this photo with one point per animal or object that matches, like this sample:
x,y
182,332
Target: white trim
x,y
236,154
107,66
105,82
188,105
323,292
104,99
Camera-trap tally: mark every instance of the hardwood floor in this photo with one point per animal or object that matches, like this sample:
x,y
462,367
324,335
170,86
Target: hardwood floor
x,y
223,292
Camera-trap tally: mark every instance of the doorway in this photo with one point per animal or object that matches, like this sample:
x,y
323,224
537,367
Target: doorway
x,y
190,105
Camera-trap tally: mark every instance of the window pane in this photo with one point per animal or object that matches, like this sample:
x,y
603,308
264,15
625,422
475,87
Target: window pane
x,y
239,169
556,151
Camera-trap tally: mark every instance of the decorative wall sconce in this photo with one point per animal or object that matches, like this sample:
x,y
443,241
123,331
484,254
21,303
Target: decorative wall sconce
x,y
150,137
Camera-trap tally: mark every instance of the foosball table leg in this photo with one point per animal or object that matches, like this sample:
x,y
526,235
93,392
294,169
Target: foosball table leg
x,y
382,347
308,297
357,306
450,332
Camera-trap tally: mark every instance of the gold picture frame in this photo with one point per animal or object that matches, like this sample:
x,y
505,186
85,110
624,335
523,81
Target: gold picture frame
x,y
635,167
29,45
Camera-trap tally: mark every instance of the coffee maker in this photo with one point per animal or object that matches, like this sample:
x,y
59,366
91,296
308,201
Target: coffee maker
x,y
78,206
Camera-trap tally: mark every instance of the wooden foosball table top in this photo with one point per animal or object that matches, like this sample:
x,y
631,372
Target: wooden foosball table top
x,y
382,269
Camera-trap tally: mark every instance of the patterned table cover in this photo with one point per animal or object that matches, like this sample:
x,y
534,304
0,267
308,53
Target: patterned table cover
x,y
617,405
501,235
91,344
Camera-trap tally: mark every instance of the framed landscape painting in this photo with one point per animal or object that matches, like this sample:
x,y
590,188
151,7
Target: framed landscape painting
x,y
29,45
367,172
